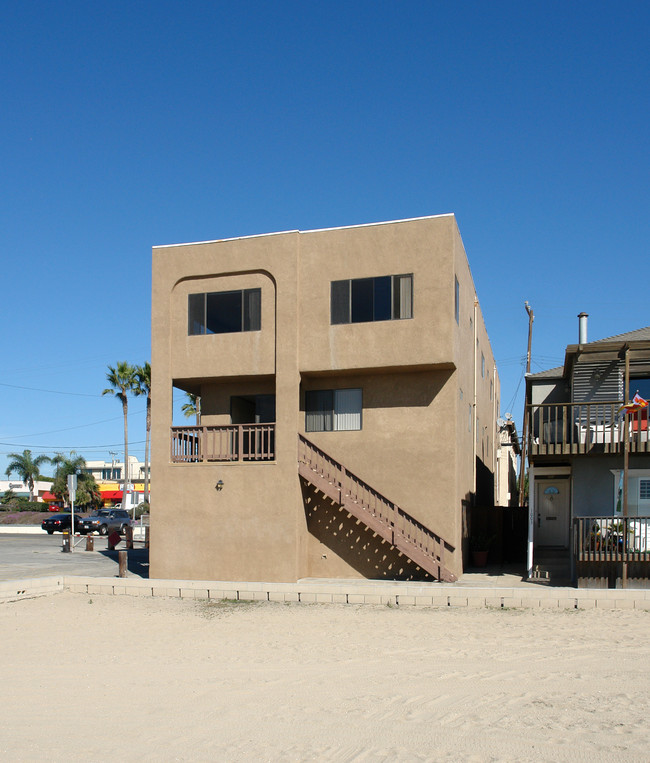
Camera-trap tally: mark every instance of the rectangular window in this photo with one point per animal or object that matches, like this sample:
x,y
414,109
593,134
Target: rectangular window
x,y
337,410
457,301
224,312
482,365
362,300
644,490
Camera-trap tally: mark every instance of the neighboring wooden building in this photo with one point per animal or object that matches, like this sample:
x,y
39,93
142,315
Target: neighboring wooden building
x,y
349,397
587,519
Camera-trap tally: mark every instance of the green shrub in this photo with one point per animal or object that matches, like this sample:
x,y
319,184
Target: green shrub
x,y
22,504
140,509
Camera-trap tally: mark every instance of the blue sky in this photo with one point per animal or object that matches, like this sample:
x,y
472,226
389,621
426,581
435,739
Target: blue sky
x,y
130,124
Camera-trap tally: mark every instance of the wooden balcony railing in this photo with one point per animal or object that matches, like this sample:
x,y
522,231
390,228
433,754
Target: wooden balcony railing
x,y
612,539
237,442
570,428
385,518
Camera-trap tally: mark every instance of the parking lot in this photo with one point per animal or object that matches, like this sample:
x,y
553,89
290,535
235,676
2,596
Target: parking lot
x,y
37,555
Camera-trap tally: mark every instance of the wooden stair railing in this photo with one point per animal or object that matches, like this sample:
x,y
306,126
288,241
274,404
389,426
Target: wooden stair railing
x,y
389,521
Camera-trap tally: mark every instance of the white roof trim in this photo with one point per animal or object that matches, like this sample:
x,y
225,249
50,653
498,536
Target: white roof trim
x,y
314,230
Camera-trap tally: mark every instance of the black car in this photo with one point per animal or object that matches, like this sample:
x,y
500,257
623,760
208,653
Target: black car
x,y
60,522
105,521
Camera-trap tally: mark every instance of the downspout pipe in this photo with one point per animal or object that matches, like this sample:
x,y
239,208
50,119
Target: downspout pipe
x,y
474,395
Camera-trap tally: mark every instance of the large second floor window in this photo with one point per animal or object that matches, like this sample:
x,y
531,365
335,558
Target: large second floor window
x,y
361,300
225,312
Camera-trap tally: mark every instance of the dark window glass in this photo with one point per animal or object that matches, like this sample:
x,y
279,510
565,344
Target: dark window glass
x,y
362,300
319,410
340,301
223,312
196,314
457,301
382,306
252,409
252,309
264,409
329,410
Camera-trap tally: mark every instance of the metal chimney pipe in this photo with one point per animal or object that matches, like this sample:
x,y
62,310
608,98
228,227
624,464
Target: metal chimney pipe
x,y
582,328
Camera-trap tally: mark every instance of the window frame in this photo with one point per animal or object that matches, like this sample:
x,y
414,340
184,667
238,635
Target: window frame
x,y
250,312
644,485
331,409
365,300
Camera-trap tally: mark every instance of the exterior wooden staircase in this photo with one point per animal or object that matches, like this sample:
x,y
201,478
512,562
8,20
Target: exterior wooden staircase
x,y
422,546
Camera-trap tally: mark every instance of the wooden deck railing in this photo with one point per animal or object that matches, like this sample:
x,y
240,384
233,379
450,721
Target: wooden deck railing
x,y
571,428
388,520
237,442
612,539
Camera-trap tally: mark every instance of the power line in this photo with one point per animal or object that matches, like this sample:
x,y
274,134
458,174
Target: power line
x,y
68,429
47,448
50,391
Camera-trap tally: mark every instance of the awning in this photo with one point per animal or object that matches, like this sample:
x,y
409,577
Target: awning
x,y
111,495
49,497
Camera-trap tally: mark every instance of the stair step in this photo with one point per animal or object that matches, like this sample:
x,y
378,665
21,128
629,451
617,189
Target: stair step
x,y
424,557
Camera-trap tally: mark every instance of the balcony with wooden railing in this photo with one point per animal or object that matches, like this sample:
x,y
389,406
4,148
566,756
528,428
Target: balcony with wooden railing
x,y
612,539
236,442
581,428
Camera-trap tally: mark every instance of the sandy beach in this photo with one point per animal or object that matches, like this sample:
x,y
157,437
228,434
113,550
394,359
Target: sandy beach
x,y
103,677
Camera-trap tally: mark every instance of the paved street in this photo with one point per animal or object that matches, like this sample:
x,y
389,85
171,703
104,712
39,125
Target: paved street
x,y
28,556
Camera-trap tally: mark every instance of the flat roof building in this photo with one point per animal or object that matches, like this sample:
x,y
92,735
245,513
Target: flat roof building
x,y
348,398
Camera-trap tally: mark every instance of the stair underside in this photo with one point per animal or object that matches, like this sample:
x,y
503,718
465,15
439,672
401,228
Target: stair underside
x,y
377,524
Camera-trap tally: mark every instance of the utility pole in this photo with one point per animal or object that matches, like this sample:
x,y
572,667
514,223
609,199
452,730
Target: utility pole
x,y
524,431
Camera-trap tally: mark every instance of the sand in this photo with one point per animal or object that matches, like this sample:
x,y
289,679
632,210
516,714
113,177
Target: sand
x,y
98,678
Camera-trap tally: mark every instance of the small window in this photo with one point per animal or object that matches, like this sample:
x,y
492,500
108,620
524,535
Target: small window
x,y
362,300
224,312
482,365
457,301
644,490
328,410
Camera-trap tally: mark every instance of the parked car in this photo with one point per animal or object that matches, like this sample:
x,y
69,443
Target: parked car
x,y
61,522
105,521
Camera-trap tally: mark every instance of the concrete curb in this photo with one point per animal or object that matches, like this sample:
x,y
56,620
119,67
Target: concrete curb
x,y
20,529
138,532
344,592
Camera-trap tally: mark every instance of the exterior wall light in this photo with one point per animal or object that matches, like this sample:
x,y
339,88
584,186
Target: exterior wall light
x,y
219,486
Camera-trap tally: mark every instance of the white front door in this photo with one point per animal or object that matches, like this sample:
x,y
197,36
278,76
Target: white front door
x,y
552,502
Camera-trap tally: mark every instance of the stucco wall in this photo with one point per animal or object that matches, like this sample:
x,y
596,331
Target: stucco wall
x,y
415,446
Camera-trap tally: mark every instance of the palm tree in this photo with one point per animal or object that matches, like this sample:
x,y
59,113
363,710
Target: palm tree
x,y
192,407
122,380
87,493
57,460
27,468
143,387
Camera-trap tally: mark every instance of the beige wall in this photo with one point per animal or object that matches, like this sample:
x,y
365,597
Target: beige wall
x,y
414,445
239,354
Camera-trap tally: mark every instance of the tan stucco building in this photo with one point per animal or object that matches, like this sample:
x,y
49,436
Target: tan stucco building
x,y
349,400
